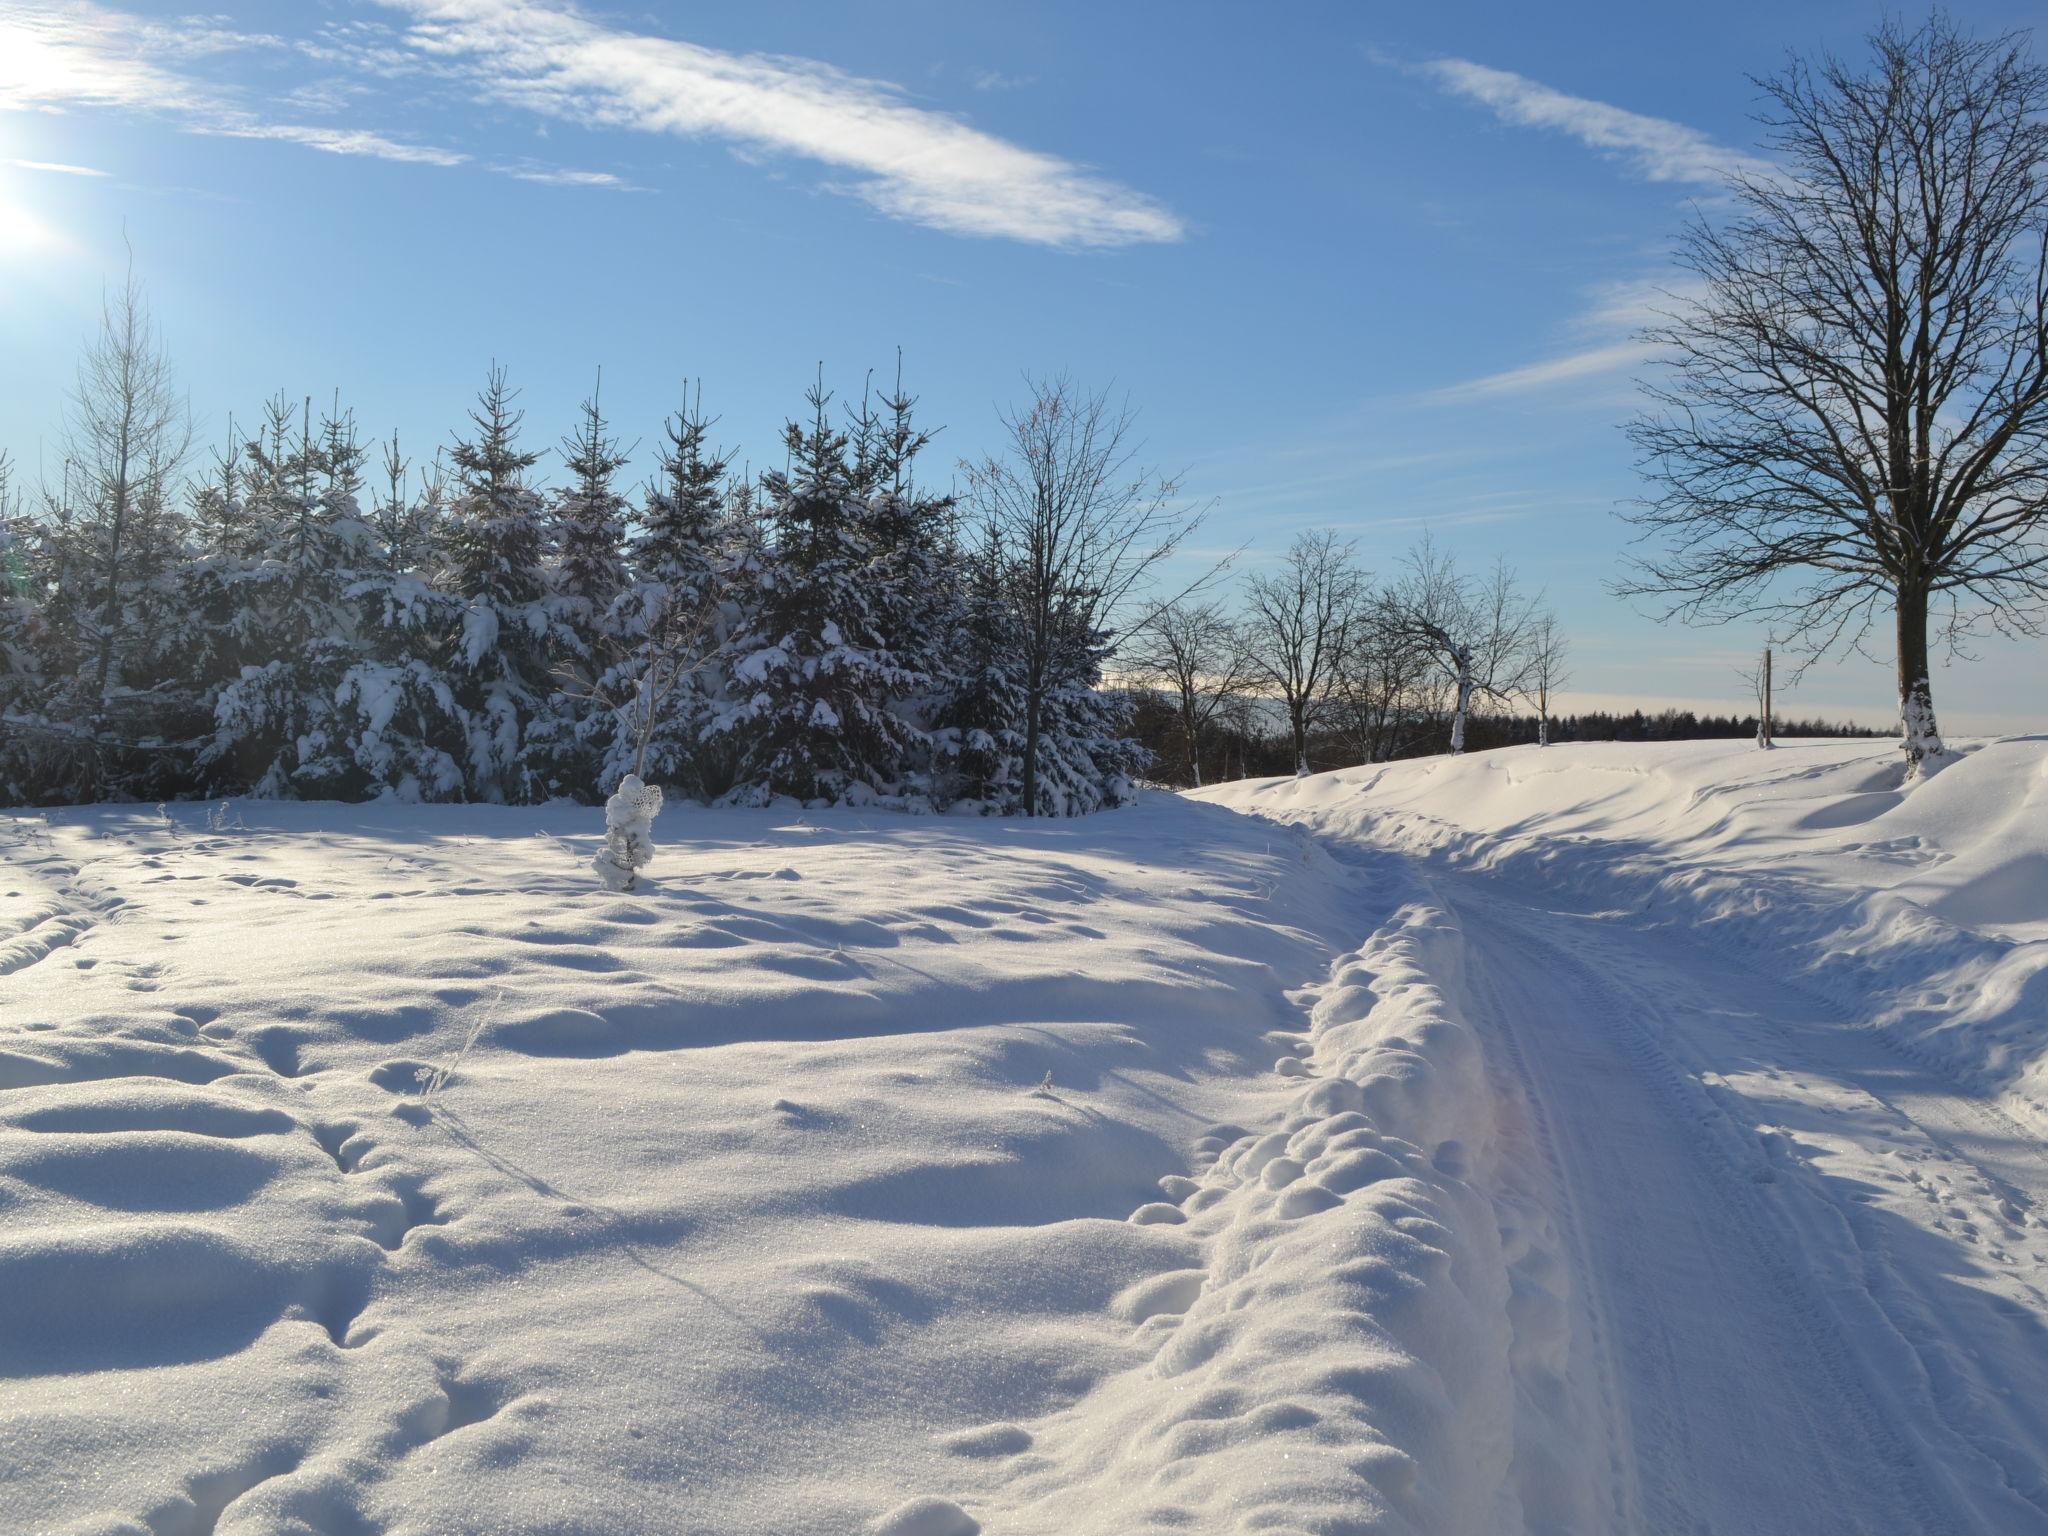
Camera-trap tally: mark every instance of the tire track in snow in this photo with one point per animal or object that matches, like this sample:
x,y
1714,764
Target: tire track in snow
x,y
1678,1199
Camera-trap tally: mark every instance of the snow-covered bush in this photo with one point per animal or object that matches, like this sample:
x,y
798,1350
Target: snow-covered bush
x,y
628,833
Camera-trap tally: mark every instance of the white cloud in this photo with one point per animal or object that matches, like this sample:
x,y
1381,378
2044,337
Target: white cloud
x,y
1610,327
1534,378
78,54
909,162
54,167
563,176
1653,147
332,141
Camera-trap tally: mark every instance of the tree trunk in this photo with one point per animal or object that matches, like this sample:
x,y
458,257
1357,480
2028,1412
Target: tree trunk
x,y
1034,707
1918,734
1464,700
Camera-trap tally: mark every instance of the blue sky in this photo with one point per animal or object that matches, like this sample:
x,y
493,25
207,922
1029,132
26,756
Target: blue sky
x,y
1360,265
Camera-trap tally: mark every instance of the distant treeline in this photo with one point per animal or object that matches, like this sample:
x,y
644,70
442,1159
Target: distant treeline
x,y
1251,747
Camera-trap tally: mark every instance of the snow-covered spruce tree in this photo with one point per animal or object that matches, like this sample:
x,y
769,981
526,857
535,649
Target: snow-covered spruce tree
x,y
978,742
403,728
496,542
568,741
813,684
913,574
683,559
275,729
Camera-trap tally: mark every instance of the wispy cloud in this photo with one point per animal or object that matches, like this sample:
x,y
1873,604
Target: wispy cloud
x,y
1655,148
563,176
55,57
332,141
996,80
909,162
1610,343
559,63
1534,378
54,167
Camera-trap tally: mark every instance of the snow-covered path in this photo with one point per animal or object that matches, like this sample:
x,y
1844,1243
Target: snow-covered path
x,y
1765,1342
1767,1059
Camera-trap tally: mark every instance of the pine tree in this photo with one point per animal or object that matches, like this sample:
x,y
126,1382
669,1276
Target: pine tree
x,y
290,617
979,743
571,732
683,559
912,570
815,685
399,718
589,523
497,538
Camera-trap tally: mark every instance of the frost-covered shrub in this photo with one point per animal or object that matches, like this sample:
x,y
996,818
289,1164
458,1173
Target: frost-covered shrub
x,y
628,833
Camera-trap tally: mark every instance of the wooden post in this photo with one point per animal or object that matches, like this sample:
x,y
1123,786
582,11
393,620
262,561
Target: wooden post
x,y
1767,698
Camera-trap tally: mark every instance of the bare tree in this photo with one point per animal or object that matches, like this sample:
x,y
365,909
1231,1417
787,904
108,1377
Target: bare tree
x,y
1857,402
1299,614
1384,684
1085,524
127,435
1197,655
1477,634
1548,669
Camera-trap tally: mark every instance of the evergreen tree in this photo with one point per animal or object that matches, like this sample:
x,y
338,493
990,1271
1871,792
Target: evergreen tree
x,y
815,683
571,732
912,576
979,743
496,541
274,725
683,559
398,715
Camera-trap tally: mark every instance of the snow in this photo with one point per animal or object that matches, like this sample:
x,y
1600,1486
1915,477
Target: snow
x,y
1591,1138
1767,1037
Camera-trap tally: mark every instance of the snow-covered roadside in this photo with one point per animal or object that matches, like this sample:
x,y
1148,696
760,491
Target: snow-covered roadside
x,y
1803,1261
1347,1352
370,1170
1922,910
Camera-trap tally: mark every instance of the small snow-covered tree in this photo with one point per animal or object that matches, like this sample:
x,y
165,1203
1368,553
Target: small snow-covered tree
x,y
628,834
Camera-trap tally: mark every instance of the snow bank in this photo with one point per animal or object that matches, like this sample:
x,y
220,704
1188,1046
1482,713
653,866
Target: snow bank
x,y
1921,908
1340,1354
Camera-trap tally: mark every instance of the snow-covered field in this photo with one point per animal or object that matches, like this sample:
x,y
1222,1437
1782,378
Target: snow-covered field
x,y
1597,1139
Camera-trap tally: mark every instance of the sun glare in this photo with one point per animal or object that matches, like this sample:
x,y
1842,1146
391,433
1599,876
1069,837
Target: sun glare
x,y
23,233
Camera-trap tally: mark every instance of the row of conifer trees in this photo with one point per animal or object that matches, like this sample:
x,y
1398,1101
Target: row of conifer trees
x,y
300,621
